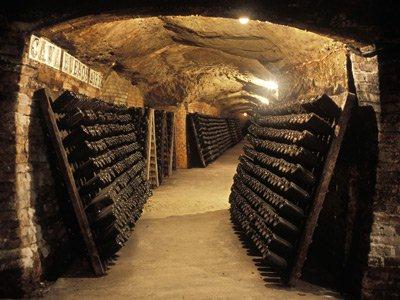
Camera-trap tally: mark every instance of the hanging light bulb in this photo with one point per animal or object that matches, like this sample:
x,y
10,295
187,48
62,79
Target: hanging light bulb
x,y
245,114
244,20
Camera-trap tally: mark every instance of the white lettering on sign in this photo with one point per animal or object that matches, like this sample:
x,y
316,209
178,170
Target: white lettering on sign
x,y
67,63
34,48
74,67
46,52
95,78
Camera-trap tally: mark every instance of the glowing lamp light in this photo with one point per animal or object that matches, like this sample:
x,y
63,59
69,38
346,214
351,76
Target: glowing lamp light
x,y
268,84
272,85
245,114
244,20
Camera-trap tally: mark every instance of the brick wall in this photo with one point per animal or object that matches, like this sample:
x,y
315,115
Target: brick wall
x,y
376,82
118,90
35,239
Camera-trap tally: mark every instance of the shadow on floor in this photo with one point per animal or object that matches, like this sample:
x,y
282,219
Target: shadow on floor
x,y
81,268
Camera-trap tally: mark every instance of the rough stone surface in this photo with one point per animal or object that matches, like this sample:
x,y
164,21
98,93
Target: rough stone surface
x,y
192,59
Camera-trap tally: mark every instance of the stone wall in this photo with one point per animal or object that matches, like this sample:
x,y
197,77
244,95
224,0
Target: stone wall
x,y
312,78
35,240
204,108
376,81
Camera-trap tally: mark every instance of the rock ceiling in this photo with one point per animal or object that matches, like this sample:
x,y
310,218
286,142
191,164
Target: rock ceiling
x,y
192,58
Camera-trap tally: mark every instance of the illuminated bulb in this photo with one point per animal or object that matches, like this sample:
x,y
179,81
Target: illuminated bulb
x,y
269,84
244,20
272,85
245,114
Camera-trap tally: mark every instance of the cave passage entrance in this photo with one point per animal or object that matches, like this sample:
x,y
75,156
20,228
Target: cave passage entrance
x,y
215,67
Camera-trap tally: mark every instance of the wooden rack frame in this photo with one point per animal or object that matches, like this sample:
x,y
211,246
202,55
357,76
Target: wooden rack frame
x,y
321,191
50,118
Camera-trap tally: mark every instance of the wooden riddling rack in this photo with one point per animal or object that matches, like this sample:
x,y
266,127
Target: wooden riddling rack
x,y
209,137
160,145
282,178
101,160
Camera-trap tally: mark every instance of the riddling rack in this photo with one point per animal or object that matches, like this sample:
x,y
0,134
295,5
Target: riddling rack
x,y
212,136
282,178
103,166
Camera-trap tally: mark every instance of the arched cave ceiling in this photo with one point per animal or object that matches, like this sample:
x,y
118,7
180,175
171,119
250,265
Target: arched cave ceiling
x,y
192,58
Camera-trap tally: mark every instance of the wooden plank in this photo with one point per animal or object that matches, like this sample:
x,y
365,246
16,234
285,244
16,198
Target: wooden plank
x,y
45,103
321,191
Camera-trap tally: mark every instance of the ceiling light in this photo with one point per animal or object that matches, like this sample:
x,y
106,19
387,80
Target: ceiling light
x,y
244,20
268,84
272,85
245,114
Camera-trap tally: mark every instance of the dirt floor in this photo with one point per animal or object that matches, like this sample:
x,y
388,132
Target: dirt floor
x,y
197,190
185,247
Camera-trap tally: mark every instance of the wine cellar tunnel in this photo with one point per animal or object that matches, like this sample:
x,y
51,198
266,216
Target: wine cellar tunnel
x,y
248,151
